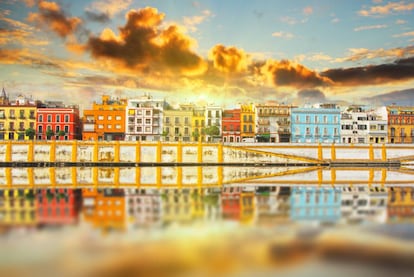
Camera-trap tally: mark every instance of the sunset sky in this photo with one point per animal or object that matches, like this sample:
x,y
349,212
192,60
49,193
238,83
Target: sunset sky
x,y
221,52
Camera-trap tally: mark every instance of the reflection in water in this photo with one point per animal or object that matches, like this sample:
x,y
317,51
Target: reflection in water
x,y
211,230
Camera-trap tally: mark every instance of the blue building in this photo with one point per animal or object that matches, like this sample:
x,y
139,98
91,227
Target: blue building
x,y
310,125
321,204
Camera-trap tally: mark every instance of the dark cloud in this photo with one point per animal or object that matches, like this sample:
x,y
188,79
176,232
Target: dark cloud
x,y
143,45
53,17
311,96
286,73
400,97
97,17
400,70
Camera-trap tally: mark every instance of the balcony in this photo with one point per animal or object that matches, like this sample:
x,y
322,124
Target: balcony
x,y
12,117
2,117
21,129
22,117
32,116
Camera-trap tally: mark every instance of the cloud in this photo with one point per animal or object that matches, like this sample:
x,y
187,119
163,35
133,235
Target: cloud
x,y
335,20
53,17
400,97
400,21
307,10
108,7
370,27
98,17
143,46
311,96
358,54
289,20
398,71
228,59
193,21
286,73
389,8
406,34
282,34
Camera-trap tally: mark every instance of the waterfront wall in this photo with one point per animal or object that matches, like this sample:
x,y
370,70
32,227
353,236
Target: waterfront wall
x,y
164,152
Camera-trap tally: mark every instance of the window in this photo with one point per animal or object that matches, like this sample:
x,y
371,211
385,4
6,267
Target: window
x,y
325,119
139,129
100,126
297,119
109,117
147,129
139,120
49,118
40,129
177,120
335,119
167,120
100,117
57,118
307,119
316,119
186,120
66,118
57,129
109,126
66,129
117,126
118,117
148,121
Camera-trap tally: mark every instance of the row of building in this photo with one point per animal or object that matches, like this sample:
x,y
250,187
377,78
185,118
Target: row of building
x,y
148,119
124,208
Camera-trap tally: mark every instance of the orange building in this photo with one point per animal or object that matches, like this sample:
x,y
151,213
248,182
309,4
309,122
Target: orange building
x,y
110,210
400,204
400,124
105,121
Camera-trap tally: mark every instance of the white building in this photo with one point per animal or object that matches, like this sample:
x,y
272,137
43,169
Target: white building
x,y
361,126
364,204
213,116
144,119
143,207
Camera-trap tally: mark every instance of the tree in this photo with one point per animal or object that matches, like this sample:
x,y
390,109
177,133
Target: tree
x,y
61,133
30,132
196,134
212,131
49,133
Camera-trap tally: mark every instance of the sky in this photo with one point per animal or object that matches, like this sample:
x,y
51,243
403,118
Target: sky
x,y
209,52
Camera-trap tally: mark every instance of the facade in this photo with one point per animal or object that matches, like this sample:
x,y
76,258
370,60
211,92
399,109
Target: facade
x,y
143,207
400,124
16,117
247,122
319,204
400,204
231,125
272,205
18,207
230,203
144,118
361,126
198,122
177,206
58,206
110,212
213,117
105,121
273,122
316,124
177,125
362,203
58,122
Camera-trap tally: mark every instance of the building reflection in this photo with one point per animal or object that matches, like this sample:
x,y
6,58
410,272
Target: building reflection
x,y
123,209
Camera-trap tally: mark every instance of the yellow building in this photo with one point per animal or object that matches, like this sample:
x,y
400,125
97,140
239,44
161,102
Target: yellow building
x,y
17,207
16,117
247,121
106,120
400,124
177,207
247,207
177,125
198,122
400,204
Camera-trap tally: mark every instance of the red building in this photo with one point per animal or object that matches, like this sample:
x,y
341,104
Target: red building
x,y
58,122
231,125
230,203
58,206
